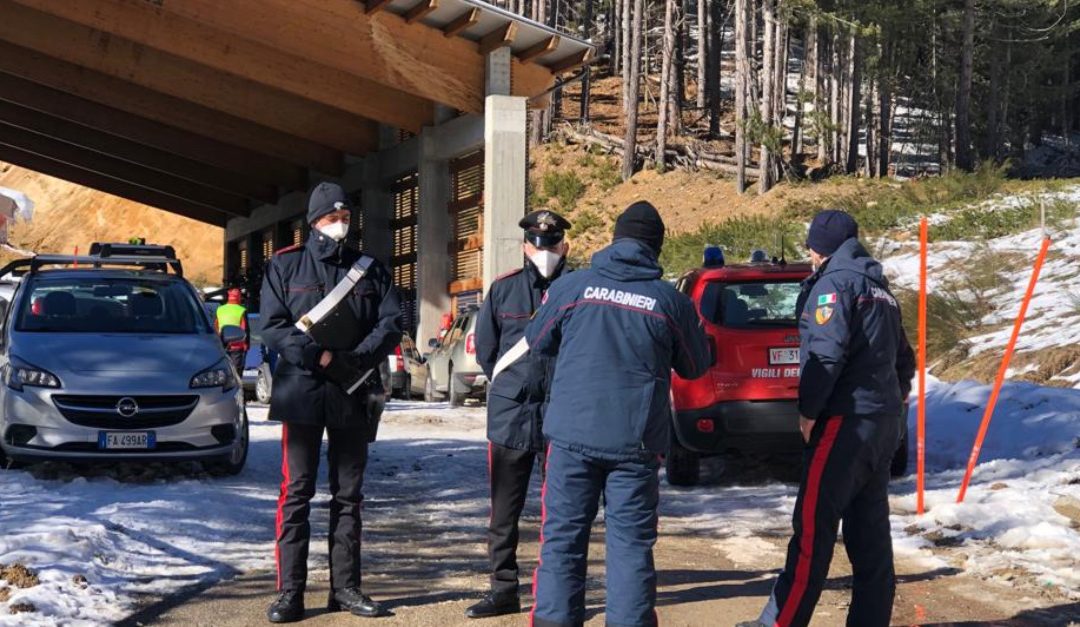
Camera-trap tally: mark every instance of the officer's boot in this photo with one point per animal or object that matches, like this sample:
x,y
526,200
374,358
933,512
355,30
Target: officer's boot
x,y
287,608
354,601
495,604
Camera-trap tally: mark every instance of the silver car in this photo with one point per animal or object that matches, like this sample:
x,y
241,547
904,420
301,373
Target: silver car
x,y
452,370
118,363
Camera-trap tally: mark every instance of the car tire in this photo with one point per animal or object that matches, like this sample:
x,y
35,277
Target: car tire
x,y
6,463
456,397
683,466
263,386
430,395
899,465
232,464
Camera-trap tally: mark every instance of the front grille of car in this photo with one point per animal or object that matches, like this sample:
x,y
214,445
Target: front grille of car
x,y
101,411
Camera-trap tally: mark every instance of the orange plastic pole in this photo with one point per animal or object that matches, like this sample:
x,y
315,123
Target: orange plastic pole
x,y
76,254
920,433
1002,370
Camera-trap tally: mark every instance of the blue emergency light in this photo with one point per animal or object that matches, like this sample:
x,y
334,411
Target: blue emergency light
x,y
713,257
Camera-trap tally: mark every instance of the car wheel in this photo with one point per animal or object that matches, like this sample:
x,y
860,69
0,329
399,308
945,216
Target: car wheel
x,y
263,387
899,465
6,463
430,395
683,466
233,463
457,398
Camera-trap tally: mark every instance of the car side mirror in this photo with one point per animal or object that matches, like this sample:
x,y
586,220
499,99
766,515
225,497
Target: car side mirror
x,y
433,343
231,334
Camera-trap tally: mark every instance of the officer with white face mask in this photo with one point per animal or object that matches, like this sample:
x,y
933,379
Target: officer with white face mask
x,y
517,398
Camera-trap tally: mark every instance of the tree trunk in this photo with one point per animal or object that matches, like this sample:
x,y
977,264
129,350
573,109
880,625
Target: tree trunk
x,y
681,42
586,82
630,144
1066,79
964,159
664,105
768,80
616,31
741,42
884,132
627,37
797,131
868,122
702,49
821,92
712,69
855,108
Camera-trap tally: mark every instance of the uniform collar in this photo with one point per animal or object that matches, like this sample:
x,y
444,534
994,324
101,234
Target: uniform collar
x,y
325,248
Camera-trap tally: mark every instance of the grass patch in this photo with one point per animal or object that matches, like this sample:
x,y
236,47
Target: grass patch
x,y
738,236
564,186
981,223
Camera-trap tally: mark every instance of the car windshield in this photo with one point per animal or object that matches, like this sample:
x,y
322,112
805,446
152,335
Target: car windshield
x,y
751,304
110,305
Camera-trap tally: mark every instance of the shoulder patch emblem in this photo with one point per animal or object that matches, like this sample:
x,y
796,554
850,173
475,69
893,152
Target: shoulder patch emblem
x,y
823,314
827,299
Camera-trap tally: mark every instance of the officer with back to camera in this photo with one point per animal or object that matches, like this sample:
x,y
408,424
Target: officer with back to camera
x,y
516,399
616,330
309,402
856,373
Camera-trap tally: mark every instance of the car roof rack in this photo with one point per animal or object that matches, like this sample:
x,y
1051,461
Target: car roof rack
x,y
145,257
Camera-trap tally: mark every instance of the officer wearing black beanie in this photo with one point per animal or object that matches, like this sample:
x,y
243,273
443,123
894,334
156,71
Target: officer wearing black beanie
x,y
616,330
855,373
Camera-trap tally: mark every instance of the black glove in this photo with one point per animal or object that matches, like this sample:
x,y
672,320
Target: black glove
x,y
309,357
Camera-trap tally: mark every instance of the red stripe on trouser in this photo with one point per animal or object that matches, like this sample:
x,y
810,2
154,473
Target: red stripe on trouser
x,y
281,499
809,512
543,519
491,485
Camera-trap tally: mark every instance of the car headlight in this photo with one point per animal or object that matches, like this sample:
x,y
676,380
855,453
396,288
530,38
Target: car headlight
x,y
220,376
18,373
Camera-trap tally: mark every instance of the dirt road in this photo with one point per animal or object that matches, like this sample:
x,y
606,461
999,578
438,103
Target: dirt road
x,y
702,581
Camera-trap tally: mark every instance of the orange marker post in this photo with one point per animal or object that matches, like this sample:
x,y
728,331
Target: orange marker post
x,y
1003,369
76,254
920,432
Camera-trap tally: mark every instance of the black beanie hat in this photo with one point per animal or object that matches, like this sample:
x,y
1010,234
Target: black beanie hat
x,y
829,229
641,221
325,199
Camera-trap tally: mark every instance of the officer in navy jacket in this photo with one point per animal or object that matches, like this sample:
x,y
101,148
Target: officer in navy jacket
x,y
857,367
617,330
516,398
307,402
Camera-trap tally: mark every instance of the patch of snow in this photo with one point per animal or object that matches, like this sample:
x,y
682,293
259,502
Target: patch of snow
x,y
24,206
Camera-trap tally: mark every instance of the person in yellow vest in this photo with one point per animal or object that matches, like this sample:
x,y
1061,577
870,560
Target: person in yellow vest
x,y
233,313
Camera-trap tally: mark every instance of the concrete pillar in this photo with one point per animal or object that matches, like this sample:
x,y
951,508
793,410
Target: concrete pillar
x,y
434,233
504,183
377,207
497,72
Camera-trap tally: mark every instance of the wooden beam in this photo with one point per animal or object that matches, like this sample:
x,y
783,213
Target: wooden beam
x,y
540,49
246,167
466,20
86,178
499,38
571,62
383,47
374,6
258,62
114,168
145,156
421,10
214,86
140,101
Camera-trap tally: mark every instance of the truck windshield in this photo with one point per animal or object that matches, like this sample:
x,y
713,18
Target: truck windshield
x,y
110,305
751,304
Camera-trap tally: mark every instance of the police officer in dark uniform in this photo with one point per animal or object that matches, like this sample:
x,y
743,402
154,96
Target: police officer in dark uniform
x,y
856,373
617,330
308,403
516,398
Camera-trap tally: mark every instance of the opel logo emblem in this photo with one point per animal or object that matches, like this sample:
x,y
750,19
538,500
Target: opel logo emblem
x,y
127,407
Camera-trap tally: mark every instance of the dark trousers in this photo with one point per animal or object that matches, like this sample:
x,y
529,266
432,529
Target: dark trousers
x,y
509,472
347,455
572,491
845,477
237,359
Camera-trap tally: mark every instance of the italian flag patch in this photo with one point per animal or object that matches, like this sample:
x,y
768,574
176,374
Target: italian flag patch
x,y
826,299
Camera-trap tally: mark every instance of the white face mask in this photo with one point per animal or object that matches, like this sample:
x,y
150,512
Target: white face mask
x,y
545,262
335,230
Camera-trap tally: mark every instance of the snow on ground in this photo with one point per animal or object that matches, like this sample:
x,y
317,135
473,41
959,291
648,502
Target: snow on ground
x,y
1053,318
137,531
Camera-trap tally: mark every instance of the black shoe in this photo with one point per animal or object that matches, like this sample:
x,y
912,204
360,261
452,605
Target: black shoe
x,y
495,605
287,608
356,602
